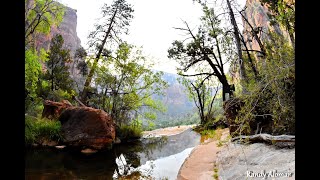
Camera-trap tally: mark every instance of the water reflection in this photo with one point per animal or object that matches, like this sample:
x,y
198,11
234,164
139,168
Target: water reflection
x,y
151,158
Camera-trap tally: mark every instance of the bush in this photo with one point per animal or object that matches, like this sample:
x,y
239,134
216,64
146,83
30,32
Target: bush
x,y
270,98
36,130
132,131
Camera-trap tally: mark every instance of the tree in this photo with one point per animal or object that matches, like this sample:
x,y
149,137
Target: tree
x,y
79,58
115,19
201,92
125,85
57,72
210,46
40,15
32,73
237,40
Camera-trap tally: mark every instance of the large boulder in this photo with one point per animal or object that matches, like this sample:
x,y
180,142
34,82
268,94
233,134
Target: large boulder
x,y
52,110
87,127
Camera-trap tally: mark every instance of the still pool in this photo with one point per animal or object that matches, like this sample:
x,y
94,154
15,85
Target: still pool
x,y
147,158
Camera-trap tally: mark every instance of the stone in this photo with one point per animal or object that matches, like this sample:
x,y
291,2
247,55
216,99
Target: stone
x,y
88,127
52,110
88,151
60,147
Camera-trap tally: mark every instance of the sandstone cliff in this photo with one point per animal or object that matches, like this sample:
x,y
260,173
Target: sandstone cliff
x,y
68,30
257,15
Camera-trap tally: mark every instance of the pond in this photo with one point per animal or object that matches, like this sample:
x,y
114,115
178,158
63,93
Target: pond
x,y
147,158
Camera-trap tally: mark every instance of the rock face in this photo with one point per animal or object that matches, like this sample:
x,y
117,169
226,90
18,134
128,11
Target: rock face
x,y
237,161
52,110
68,29
87,127
257,16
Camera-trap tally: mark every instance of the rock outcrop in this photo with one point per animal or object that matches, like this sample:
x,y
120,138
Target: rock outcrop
x,y
68,29
87,127
257,15
52,110
238,161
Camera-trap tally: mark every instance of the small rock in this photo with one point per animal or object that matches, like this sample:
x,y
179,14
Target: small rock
x,y
60,147
117,141
88,151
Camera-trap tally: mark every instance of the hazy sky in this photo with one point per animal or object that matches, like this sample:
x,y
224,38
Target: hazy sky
x,y
151,27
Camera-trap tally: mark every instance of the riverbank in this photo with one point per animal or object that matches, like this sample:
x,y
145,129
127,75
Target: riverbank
x,y
169,131
200,163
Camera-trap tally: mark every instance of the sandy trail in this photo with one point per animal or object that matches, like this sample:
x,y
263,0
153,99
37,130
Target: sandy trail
x,y
200,163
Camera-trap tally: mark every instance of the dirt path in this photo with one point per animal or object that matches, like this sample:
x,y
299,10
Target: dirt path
x,y
169,131
200,163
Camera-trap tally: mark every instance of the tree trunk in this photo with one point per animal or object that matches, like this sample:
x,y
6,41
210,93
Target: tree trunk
x,y
290,34
94,66
280,141
237,38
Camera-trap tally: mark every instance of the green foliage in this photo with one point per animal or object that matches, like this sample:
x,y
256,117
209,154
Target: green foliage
x,y
131,131
32,72
282,12
126,85
36,130
57,73
41,15
272,98
209,132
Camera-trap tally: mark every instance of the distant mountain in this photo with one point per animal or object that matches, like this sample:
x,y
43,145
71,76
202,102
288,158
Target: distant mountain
x,y
180,109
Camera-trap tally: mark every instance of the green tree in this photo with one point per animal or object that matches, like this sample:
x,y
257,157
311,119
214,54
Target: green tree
x,y
126,85
40,15
32,73
79,58
115,20
57,73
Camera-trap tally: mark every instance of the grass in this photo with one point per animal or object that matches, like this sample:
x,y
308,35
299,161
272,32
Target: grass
x,y
129,132
215,170
208,132
37,129
211,133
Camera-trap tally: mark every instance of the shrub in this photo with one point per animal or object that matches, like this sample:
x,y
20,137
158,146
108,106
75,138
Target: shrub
x,y
132,131
38,129
270,99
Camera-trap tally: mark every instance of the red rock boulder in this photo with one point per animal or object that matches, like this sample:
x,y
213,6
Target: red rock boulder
x,y
87,127
52,110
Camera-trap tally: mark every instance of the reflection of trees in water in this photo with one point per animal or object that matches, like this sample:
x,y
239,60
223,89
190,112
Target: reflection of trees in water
x,y
128,162
69,164
146,151
169,146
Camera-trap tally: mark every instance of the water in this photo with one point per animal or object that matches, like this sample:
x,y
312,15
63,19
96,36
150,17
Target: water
x,y
148,158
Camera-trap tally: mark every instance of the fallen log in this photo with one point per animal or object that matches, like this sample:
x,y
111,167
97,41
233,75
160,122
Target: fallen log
x,y
280,141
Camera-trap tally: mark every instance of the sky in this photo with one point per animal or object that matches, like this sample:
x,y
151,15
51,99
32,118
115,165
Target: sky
x,y
151,27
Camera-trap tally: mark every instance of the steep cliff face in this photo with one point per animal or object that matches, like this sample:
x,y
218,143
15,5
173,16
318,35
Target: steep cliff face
x,y
257,16
68,29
